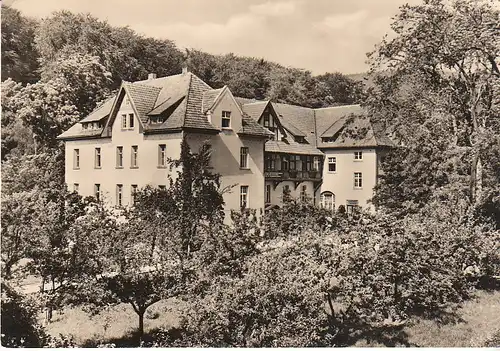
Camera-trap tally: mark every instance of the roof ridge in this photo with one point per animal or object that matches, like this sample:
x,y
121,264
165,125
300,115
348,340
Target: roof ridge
x,y
188,95
332,107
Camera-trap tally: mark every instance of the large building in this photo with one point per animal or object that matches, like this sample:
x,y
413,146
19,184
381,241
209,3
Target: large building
x,y
261,149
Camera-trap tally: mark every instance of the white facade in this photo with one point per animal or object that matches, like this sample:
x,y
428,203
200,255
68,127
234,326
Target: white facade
x,y
351,178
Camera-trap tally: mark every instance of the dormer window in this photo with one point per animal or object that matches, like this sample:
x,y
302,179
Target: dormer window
x,y
226,119
91,125
155,120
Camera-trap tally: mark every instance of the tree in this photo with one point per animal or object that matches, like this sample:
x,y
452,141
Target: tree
x,y
149,255
339,89
29,183
439,79
120,50
20,327
19,55
49,107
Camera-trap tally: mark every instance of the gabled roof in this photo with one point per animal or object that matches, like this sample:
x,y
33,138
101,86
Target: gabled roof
x,y
100,112
255,109
209,99
195,118
353,129
143,97
250,127
302,118
327,117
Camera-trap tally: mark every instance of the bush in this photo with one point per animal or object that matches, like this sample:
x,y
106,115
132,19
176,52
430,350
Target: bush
x,y
19,325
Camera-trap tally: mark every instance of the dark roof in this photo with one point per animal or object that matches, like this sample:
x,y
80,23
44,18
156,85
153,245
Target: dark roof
x,y
291,148
77,131
183,100
143,97
254,109
209,98
302,118
353,130
328,116
251,127
195,118
100,112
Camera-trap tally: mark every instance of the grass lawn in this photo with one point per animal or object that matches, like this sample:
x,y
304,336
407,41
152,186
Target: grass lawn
x,y
114,325
477,324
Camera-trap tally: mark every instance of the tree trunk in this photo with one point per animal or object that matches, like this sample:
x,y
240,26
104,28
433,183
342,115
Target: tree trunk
x,y
140,330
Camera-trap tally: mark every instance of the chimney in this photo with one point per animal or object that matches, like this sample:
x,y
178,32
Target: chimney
x,y
184,69
151,76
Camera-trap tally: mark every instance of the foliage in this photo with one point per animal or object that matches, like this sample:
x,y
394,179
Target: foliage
x,y
436,83
147,256
49,107
19,324
19,56
31,187
127,55
260,79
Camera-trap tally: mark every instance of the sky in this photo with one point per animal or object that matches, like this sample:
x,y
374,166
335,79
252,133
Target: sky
x,y
317,35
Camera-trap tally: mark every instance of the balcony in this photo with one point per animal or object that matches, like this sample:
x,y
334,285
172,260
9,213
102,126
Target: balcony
x,y
292,175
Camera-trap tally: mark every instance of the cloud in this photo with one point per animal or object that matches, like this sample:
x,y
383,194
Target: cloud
x,y
274,9
343,20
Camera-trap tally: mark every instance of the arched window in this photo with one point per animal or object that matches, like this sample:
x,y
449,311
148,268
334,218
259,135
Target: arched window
x,y
328,200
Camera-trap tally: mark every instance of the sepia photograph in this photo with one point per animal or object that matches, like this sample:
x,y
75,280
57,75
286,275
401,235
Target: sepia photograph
x,y
250,173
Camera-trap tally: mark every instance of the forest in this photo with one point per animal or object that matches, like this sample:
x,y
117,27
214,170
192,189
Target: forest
x,y
295,276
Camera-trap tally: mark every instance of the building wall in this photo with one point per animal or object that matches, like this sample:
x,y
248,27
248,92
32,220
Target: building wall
x,y
225,160
108,176
277,193
341,182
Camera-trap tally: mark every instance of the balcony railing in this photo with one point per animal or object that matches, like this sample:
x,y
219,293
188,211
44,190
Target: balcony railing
x,y
292,175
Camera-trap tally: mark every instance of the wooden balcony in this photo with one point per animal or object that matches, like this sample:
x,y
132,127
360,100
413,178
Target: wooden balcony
x,y
293,175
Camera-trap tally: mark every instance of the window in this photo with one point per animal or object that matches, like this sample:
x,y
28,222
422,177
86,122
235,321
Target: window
x,y
119,194
133,161
244,196
285,161
270,162
266,120
244,157
131,121
76,187
268,194
97,157
124,121
119,156
226,119
76,159
97,191
293,162
309,163
352,206
316,163
328,200
358,155
303,193
286,193
162,155
358,180
133,193
332,164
